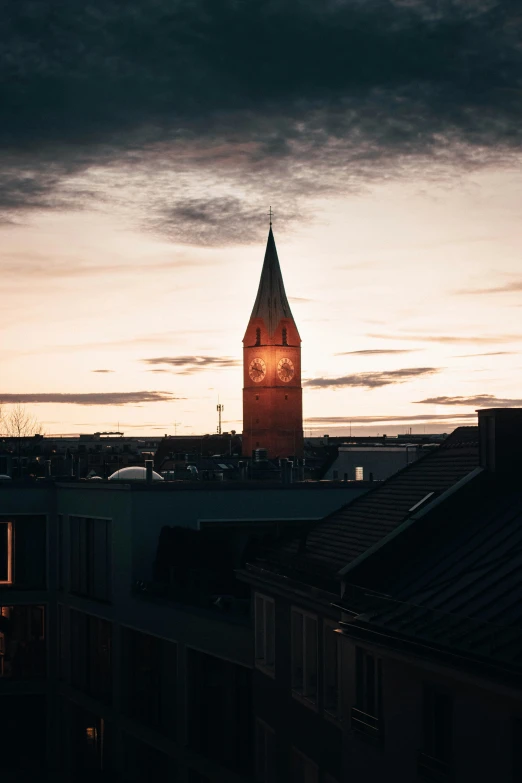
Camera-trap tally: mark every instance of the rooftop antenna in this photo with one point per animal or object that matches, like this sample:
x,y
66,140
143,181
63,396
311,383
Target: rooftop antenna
x,y
220,408
176,427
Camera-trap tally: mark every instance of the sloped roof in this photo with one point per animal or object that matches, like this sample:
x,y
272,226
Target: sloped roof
x,y
465,593
271,302
348,533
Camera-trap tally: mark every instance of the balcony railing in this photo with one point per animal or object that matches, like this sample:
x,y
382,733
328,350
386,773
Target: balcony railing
x,y
366,724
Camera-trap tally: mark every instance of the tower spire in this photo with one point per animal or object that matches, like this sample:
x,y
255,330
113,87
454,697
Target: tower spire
x,y
271,302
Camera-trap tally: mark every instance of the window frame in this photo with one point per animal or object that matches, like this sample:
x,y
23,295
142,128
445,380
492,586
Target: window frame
x,y
262,662
330,627
303,693
9,552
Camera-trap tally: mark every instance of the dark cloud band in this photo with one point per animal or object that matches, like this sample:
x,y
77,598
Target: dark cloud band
x,y
371,380
94,398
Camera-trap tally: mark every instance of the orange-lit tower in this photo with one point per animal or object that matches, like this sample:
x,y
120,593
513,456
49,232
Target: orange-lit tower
x,y
272,393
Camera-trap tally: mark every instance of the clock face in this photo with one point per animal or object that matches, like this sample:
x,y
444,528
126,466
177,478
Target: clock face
x,y
285,370
257,370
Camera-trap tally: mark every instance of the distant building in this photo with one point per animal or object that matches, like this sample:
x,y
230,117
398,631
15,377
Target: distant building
x,y
373,461
272,393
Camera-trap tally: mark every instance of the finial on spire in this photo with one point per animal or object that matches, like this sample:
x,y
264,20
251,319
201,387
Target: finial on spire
x,y
270,215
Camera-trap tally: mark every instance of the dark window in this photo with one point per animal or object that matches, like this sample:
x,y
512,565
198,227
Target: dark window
x,y
257,396
22,642
23,552
90,746
91,655
304,770
265,753
304,654
90,557
258,336
366,715
23,733
332,670
286,396
285,337
220,711
149,685
516,745
143,762
60,553
437,732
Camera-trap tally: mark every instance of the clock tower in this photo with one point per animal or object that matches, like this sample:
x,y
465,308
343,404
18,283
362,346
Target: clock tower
x,y
272,393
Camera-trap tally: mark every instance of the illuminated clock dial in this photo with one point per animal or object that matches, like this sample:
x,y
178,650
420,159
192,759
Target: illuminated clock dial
x,y
285,370
257,370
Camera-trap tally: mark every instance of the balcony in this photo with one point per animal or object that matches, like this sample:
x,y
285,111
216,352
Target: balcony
x,y
368,725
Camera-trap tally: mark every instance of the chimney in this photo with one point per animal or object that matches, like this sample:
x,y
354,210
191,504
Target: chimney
x,y
148,470
500,437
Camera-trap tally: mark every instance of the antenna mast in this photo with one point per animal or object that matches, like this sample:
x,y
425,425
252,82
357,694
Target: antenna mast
x,y
220,408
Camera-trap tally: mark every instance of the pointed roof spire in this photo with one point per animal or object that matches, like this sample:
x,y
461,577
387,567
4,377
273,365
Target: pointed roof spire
x,y
271,303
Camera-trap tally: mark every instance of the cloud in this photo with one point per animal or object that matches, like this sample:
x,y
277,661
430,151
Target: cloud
x,y
371,380
477,401
91,398
451,338
203,109
488,353
102,370
347,420
193,364
515,286
298,299
377,351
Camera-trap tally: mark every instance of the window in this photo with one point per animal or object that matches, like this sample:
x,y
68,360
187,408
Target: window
x,y
285,337
265,633
366,715
286,396
6,553
304,654
91,666
149,682
22,642
60,553
265,753
437,733
258,336
219,711
257,396
332,670
359,474
89,743
90,557
303,769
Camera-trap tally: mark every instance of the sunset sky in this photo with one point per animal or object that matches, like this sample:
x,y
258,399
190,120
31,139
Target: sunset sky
x,y
141,144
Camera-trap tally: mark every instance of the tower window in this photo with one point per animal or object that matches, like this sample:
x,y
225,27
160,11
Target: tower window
x,y
359,474
257,396
286,396
258,336
285,337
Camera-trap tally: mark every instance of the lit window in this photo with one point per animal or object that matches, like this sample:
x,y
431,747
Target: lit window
x,y
332,670
265,753
359,474
6,553
304,654
265,633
